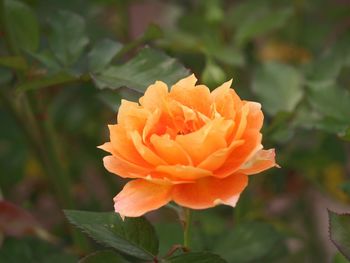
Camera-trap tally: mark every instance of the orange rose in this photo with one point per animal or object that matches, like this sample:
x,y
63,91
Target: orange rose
x,y
189,145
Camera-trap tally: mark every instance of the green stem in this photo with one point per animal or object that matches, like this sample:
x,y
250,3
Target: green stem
x,y
124,22
130,46
147,36
50,155
47,153
187,227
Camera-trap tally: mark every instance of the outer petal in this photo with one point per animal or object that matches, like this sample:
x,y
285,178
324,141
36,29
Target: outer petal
x,y
223,101
122,144
261,161
189,81
154,96
248,118
226,100
108,147
255,118
183,172
218,158
240,155
140,196
250,134
123,168
147,154
241,122
209,192
131,116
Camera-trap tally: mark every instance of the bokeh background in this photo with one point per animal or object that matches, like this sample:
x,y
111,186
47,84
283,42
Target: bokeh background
x,y
57,99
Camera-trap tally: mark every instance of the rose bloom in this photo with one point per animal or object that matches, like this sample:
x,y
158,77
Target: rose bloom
x,y
187,145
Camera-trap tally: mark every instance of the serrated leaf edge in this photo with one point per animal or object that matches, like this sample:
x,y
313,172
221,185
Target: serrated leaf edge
x,y
330,232
72,221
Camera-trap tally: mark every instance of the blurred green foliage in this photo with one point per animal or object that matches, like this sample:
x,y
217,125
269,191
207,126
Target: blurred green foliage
x,y
65,65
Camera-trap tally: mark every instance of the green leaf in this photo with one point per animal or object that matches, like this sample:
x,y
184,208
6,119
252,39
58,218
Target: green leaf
x,y
14,62
48,81
339,258
339,231
213,11
112,98
213,75
260,23
67,38
325,70
30,250
47,59
134,236
102,54
21,25
248,242
228,55
345,187
105,256
144,69
333,103
278,86
196,257
241,11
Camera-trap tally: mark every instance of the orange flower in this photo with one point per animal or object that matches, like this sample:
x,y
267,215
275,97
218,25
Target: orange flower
x,y
189,145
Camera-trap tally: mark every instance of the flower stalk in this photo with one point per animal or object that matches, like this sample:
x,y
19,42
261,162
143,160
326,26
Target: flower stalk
x,y
187,227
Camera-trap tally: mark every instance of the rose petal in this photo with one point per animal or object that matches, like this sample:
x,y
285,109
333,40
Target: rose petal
x,y
140,196
131,116
218,158
183,172
147,154
225,100
195,97
154,96
123,168
241,154
252,137
209,192
108,147
123,145
153,125
205,141
169,150
163,178
255,118
189,81
261,161
241,121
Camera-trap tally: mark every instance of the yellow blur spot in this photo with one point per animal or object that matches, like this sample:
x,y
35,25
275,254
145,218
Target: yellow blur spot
x,y
334,176
283,52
